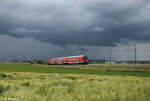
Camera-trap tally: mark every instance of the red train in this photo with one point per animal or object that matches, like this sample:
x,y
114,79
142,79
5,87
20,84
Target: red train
x,y
81,59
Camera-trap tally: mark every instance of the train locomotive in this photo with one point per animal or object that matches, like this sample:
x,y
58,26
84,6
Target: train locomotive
x,y
80,59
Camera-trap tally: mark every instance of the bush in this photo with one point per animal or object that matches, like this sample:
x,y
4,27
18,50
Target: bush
x,y
4,88
27,84
2,75
39,62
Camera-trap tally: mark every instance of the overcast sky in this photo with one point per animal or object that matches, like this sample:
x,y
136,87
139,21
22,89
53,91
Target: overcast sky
x,y
39,29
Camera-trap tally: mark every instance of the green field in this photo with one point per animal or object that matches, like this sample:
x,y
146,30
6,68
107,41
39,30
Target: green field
x,y
75,82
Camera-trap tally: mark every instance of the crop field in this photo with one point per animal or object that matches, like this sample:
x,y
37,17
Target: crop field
x,y
93,82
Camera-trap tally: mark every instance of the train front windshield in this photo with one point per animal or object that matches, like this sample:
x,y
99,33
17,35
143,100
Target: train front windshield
x,y
85,58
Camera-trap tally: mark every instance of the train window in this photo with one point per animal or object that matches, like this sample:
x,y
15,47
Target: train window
x,y
72,58
85,58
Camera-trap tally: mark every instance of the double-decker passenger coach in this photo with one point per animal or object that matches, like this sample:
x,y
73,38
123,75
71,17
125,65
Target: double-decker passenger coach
x,y
80,59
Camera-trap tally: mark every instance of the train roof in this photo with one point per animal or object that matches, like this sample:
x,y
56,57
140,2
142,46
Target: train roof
x,y
68,56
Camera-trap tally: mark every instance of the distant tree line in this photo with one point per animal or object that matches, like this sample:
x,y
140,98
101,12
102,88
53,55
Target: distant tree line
x,y
26,61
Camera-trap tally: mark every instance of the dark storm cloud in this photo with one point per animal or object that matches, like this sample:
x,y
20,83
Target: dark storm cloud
x,y
86,22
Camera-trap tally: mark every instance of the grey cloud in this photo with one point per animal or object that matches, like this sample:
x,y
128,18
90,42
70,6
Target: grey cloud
x,y
27,48
95,23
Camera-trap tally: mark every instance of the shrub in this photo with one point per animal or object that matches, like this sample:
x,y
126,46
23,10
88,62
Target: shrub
x,y
27,84
2,75
4,88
